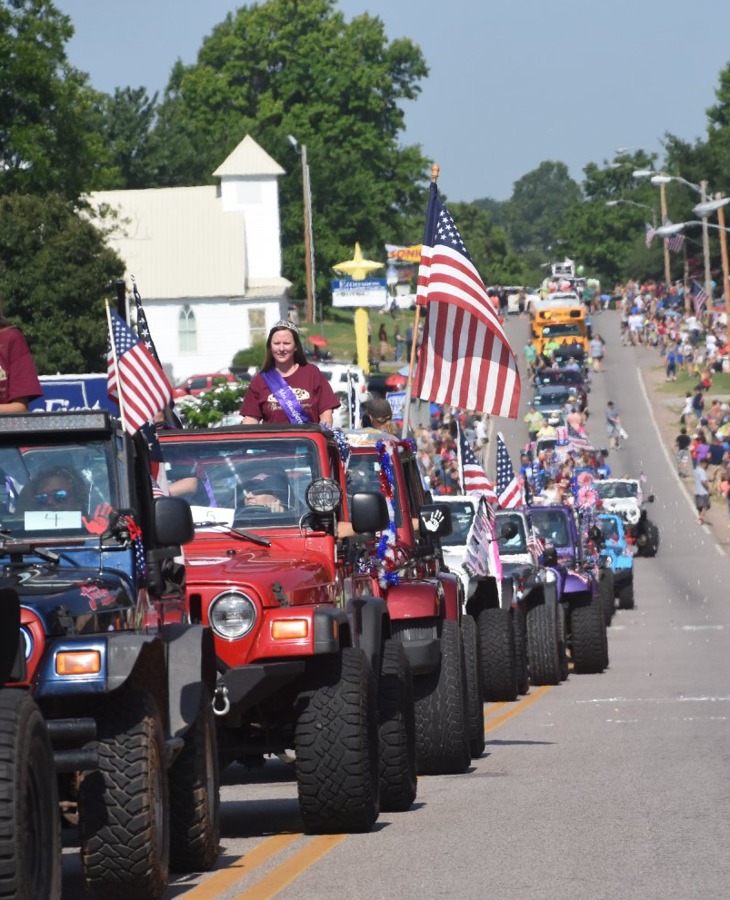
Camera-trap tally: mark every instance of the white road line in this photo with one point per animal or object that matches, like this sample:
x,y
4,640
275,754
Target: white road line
x,y
656,700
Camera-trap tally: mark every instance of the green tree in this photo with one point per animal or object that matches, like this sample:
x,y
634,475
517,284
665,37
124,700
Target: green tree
x,y
54,273
288,67
488,245
127,122
49,123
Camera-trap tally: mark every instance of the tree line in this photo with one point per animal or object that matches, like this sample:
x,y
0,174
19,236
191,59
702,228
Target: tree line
x,y
275,69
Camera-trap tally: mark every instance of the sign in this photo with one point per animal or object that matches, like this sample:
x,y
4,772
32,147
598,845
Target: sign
x,y
62,393
368,292
397,400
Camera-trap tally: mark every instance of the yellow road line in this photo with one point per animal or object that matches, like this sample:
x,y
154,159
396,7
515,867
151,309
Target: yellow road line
x,y
284,874
515,709
220,881
493,709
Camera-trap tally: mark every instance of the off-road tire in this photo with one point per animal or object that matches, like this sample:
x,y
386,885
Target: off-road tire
x,y
30,822
336,744
195,796
543,648
563,643
607,592
497,653
474,695
519,627
442,732
626,595
124,809
651,533
588,637
396,730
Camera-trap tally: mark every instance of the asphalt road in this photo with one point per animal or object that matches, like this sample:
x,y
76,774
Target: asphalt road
x,y
607,786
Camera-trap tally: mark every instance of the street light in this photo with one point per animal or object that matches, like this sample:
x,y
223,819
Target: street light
x,y
634,203
649,173
308,233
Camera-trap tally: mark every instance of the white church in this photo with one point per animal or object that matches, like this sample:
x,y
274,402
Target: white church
x,y
206,260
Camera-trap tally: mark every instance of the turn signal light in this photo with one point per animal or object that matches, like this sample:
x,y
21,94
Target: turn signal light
x,y
290,628
78,662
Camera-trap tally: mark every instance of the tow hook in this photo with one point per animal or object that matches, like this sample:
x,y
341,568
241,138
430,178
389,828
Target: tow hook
x,y
221,703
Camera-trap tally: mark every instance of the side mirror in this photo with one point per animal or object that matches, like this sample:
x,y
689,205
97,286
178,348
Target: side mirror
x,y
368,512
650,498
434,520
173,521
550,556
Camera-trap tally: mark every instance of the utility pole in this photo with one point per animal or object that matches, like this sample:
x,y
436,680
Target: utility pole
x,y
667,266
308,238
706,247
723,252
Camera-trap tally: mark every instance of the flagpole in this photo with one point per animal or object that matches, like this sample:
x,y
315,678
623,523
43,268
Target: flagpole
x,y
411,365
115,364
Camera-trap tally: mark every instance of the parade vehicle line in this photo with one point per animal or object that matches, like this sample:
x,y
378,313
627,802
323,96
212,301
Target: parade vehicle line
x,y
291,867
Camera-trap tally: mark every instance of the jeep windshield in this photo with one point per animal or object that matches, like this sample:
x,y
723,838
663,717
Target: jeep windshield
x,y
241,481
510,545
462,515
551,526
55,486
616,490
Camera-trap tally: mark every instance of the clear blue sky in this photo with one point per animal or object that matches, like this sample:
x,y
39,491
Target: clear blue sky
x,y
511,84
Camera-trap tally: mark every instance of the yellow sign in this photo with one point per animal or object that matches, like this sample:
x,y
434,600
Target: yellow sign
x,y
357,267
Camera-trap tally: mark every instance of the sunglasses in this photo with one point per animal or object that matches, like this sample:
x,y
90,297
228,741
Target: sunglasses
x,y
52,495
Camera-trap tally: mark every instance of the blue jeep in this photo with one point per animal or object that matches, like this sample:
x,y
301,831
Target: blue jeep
x,y
617,549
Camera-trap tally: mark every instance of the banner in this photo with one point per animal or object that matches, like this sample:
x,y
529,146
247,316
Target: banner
x,y
370,292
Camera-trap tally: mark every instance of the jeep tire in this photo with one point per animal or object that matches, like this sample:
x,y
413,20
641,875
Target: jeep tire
x,y
497,652
30,841
626,595
589,642
396,730
519,626
474,694
650,545
194,796
124,810
336,745
543,644
442,732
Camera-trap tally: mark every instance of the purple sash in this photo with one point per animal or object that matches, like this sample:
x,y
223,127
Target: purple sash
x,y
286,397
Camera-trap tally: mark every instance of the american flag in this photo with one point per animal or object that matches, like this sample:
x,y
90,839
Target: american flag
x,y
509,486
482,552
465,359
676,241
535,545
650,235
139,379
578,440
475,480
699,298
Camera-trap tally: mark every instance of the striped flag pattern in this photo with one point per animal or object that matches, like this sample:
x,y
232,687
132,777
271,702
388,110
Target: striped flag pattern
x,y
699,298
465,359
579,441
509,486
650,235
475,480
676,241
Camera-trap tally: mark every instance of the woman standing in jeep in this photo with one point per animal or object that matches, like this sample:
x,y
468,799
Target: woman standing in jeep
x,y
18,379
288,389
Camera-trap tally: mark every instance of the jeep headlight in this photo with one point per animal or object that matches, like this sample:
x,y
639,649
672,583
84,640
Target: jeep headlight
x,y
232,615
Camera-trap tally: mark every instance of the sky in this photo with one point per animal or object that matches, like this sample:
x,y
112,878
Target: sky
x,y
510,84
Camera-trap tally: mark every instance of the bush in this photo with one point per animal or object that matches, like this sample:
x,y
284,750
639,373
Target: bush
x,y
214,408
252,356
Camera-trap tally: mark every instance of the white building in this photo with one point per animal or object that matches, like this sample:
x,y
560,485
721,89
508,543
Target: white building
x,y
207,261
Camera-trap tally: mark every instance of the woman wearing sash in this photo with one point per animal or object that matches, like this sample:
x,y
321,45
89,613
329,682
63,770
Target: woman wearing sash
x,y
288,389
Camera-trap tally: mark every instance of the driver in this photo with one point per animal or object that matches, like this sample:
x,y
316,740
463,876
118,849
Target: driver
x,y
58,488
270,489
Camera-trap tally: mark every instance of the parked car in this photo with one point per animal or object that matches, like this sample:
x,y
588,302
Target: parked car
x,y
198,384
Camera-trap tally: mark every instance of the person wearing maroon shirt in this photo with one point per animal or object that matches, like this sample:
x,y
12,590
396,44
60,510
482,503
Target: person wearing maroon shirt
x,y
313,393
18,378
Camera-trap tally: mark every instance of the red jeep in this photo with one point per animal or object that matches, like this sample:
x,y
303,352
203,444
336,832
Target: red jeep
x,y
425,602
304,652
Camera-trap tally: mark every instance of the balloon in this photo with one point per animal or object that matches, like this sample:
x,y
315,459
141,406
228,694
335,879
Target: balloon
x,y
580,270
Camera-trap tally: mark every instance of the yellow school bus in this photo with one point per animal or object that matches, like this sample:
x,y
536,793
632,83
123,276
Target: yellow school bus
x,y
564,325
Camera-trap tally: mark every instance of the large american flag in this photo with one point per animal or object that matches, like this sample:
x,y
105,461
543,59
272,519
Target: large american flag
x,y
465,359
137,382
676,241
509,486
474,478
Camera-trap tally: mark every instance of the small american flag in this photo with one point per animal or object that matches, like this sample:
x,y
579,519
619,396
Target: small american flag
x,y
465,359
474,477
482,553
699,298
535,545
143,385
509,486
579,441
676,241
650,235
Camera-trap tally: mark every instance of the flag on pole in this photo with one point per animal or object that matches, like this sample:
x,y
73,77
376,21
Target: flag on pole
x,y
699,298
650,235
482,551
675,242
465,359
509,487
134,378
579,441
474,478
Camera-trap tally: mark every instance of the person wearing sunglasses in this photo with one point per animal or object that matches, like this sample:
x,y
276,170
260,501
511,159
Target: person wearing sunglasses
x,y
58,488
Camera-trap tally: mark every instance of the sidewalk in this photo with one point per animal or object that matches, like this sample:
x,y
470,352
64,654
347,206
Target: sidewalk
x,y
666,411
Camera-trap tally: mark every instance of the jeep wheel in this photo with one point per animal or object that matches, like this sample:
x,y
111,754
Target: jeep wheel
x,y
519,626
497,652
563,643
336,744
442,734
194,796
30,841
396,730
474,695
650,544
124,824
543,650
588,637
606,588
626,595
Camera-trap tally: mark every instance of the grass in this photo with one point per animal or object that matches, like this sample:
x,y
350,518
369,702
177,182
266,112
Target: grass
x,y
685,382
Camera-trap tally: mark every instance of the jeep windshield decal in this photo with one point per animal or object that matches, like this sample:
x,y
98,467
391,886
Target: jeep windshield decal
x,y
52,488
241,482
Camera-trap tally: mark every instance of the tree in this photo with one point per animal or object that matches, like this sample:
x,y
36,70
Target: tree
x,y
487,244
49,122
127,128
54,272
287,67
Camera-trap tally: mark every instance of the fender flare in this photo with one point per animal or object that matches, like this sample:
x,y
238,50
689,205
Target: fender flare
x,y
190,658
368,616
